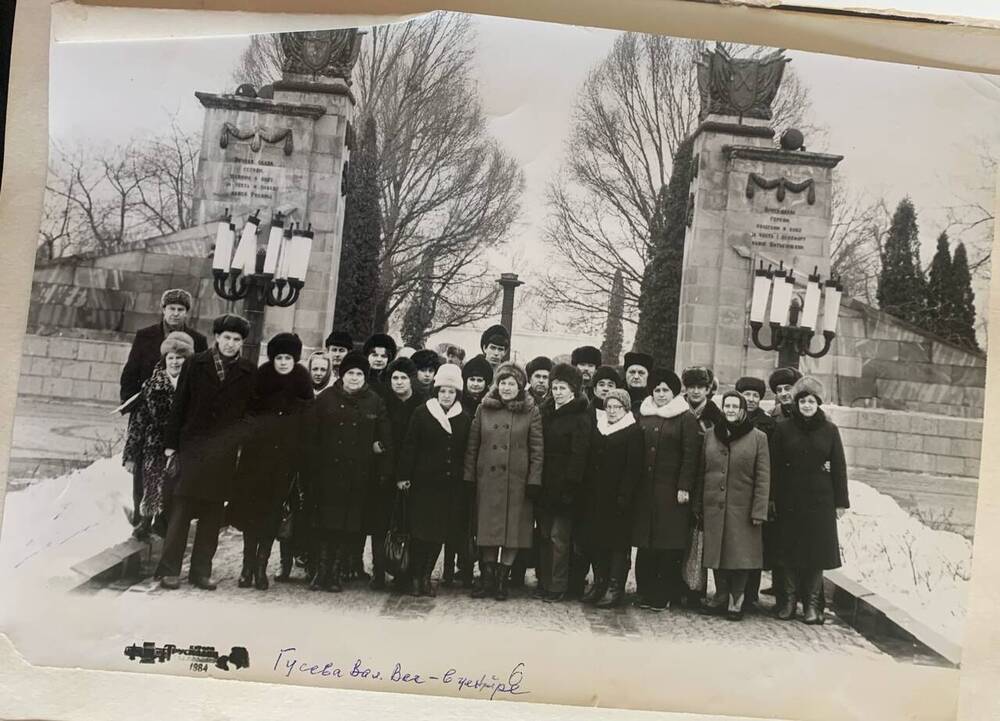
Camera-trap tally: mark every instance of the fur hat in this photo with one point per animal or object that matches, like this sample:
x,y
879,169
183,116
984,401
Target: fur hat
x,y
783,377
354,360
510,369
177,296
495,334
808,386
749,383
607,373
232,323
177,342
697,376
288,343
380,340
426,360
621,395
480,368
449,376
340,339
541,363
634,358
586,354
404,365
664,375
570,375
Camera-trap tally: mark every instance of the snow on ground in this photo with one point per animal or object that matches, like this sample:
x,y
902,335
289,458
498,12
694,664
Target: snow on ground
x,y
921,570
57,522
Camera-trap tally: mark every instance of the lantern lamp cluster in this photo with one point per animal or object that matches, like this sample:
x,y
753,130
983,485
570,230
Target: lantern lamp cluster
x,y
793,320
277,272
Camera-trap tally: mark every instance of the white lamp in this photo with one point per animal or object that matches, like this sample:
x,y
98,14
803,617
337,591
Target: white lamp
x,y
223,256
831,306
274,244
245,259
298,262
810,309
781,296
761,290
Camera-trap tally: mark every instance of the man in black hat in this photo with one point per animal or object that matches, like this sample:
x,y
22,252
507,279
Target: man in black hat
x,y
213,392
753,390
495,345
698,382
637,369
587,360
145,354
338,344
538,370
781,382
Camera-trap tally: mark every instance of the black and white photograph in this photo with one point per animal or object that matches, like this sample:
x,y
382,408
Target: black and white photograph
x,y
496,359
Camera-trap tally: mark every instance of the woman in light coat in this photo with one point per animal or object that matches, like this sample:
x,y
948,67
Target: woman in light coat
x,y
735,488
504,461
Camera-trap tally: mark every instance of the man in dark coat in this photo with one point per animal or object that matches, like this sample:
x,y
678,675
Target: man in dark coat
x,y
698,382
145,354
810,494
204,433
494,345
781,382
338,344
637,368
538,370
586,359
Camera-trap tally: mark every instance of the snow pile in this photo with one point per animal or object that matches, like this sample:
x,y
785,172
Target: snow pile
x,y
923,571
58,522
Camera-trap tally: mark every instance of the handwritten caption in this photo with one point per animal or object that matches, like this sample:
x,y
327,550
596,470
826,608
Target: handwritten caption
x,y
291,665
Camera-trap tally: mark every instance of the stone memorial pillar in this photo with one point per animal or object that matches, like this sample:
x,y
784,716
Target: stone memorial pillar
x,y
750,200
286,148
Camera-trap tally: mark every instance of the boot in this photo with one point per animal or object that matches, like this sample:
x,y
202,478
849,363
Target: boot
x,y
260,572
811,602
321,578
597,589
427,588
487,580
448,572
615,594
503,580
789,597
287,560
249,561
465,571
378,580
338,564
143,528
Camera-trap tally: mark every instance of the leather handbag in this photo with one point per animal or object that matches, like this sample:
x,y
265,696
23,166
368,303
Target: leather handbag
x,y
397,539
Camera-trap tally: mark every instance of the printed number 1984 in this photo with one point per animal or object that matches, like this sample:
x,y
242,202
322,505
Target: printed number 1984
x,y
201,667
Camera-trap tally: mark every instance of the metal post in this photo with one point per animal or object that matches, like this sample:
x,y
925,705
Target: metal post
x,y
508,281
254,307
788,352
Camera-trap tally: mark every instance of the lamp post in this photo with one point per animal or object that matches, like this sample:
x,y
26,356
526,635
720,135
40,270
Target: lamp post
x,y
793,320
508,281
273,275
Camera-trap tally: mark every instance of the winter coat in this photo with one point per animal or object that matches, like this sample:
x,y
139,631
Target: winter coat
x,y
342,466
672,440
145,354
613,469
206,425
504,456
431,458
144,442
272,455
809,484
710,415
566,431
381,497
735,491
763,422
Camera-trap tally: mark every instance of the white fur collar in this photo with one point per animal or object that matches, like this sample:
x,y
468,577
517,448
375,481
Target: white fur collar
x,y
607,429
439,415
676,407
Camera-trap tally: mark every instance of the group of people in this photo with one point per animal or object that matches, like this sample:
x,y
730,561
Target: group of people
x,y
566,466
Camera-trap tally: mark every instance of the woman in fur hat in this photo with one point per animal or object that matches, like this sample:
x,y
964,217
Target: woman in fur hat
x,y
661,513
429,470
699,383
267,478
402,400
348,451
613,469
566,433
427,363
504,460
379,350
810,494
144,442
478,377
733,503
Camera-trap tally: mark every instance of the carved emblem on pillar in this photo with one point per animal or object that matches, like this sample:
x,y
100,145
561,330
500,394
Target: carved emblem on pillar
x,y
782,185
321,53
744,87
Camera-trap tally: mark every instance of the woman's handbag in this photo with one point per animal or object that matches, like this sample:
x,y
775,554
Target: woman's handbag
x,y
695,576
397,540
289,510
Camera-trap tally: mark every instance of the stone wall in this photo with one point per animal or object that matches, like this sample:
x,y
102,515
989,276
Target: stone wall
x,y
75,369
913,442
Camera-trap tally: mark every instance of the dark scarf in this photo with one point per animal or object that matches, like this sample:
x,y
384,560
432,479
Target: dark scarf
x,y
728,432
808,424
223,364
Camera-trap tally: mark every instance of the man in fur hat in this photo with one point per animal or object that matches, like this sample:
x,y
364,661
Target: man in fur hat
x,y
427,363
145,354
338,344
495,345
587,360
538,370
637,369
781,383
753,390
697,382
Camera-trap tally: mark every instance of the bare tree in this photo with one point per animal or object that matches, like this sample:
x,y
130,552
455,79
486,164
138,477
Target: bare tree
x,y
632,113
858,228
447,188
971,219
168,165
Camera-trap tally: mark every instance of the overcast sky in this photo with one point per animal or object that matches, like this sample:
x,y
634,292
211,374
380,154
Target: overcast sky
x,y
902,129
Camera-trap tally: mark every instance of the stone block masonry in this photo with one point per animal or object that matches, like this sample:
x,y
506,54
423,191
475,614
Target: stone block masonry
x,y
77,370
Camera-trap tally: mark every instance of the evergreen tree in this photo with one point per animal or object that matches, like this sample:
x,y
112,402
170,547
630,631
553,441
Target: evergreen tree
x,y
611,350
357,280
420,312
963,300
901,285
940,309
660,291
